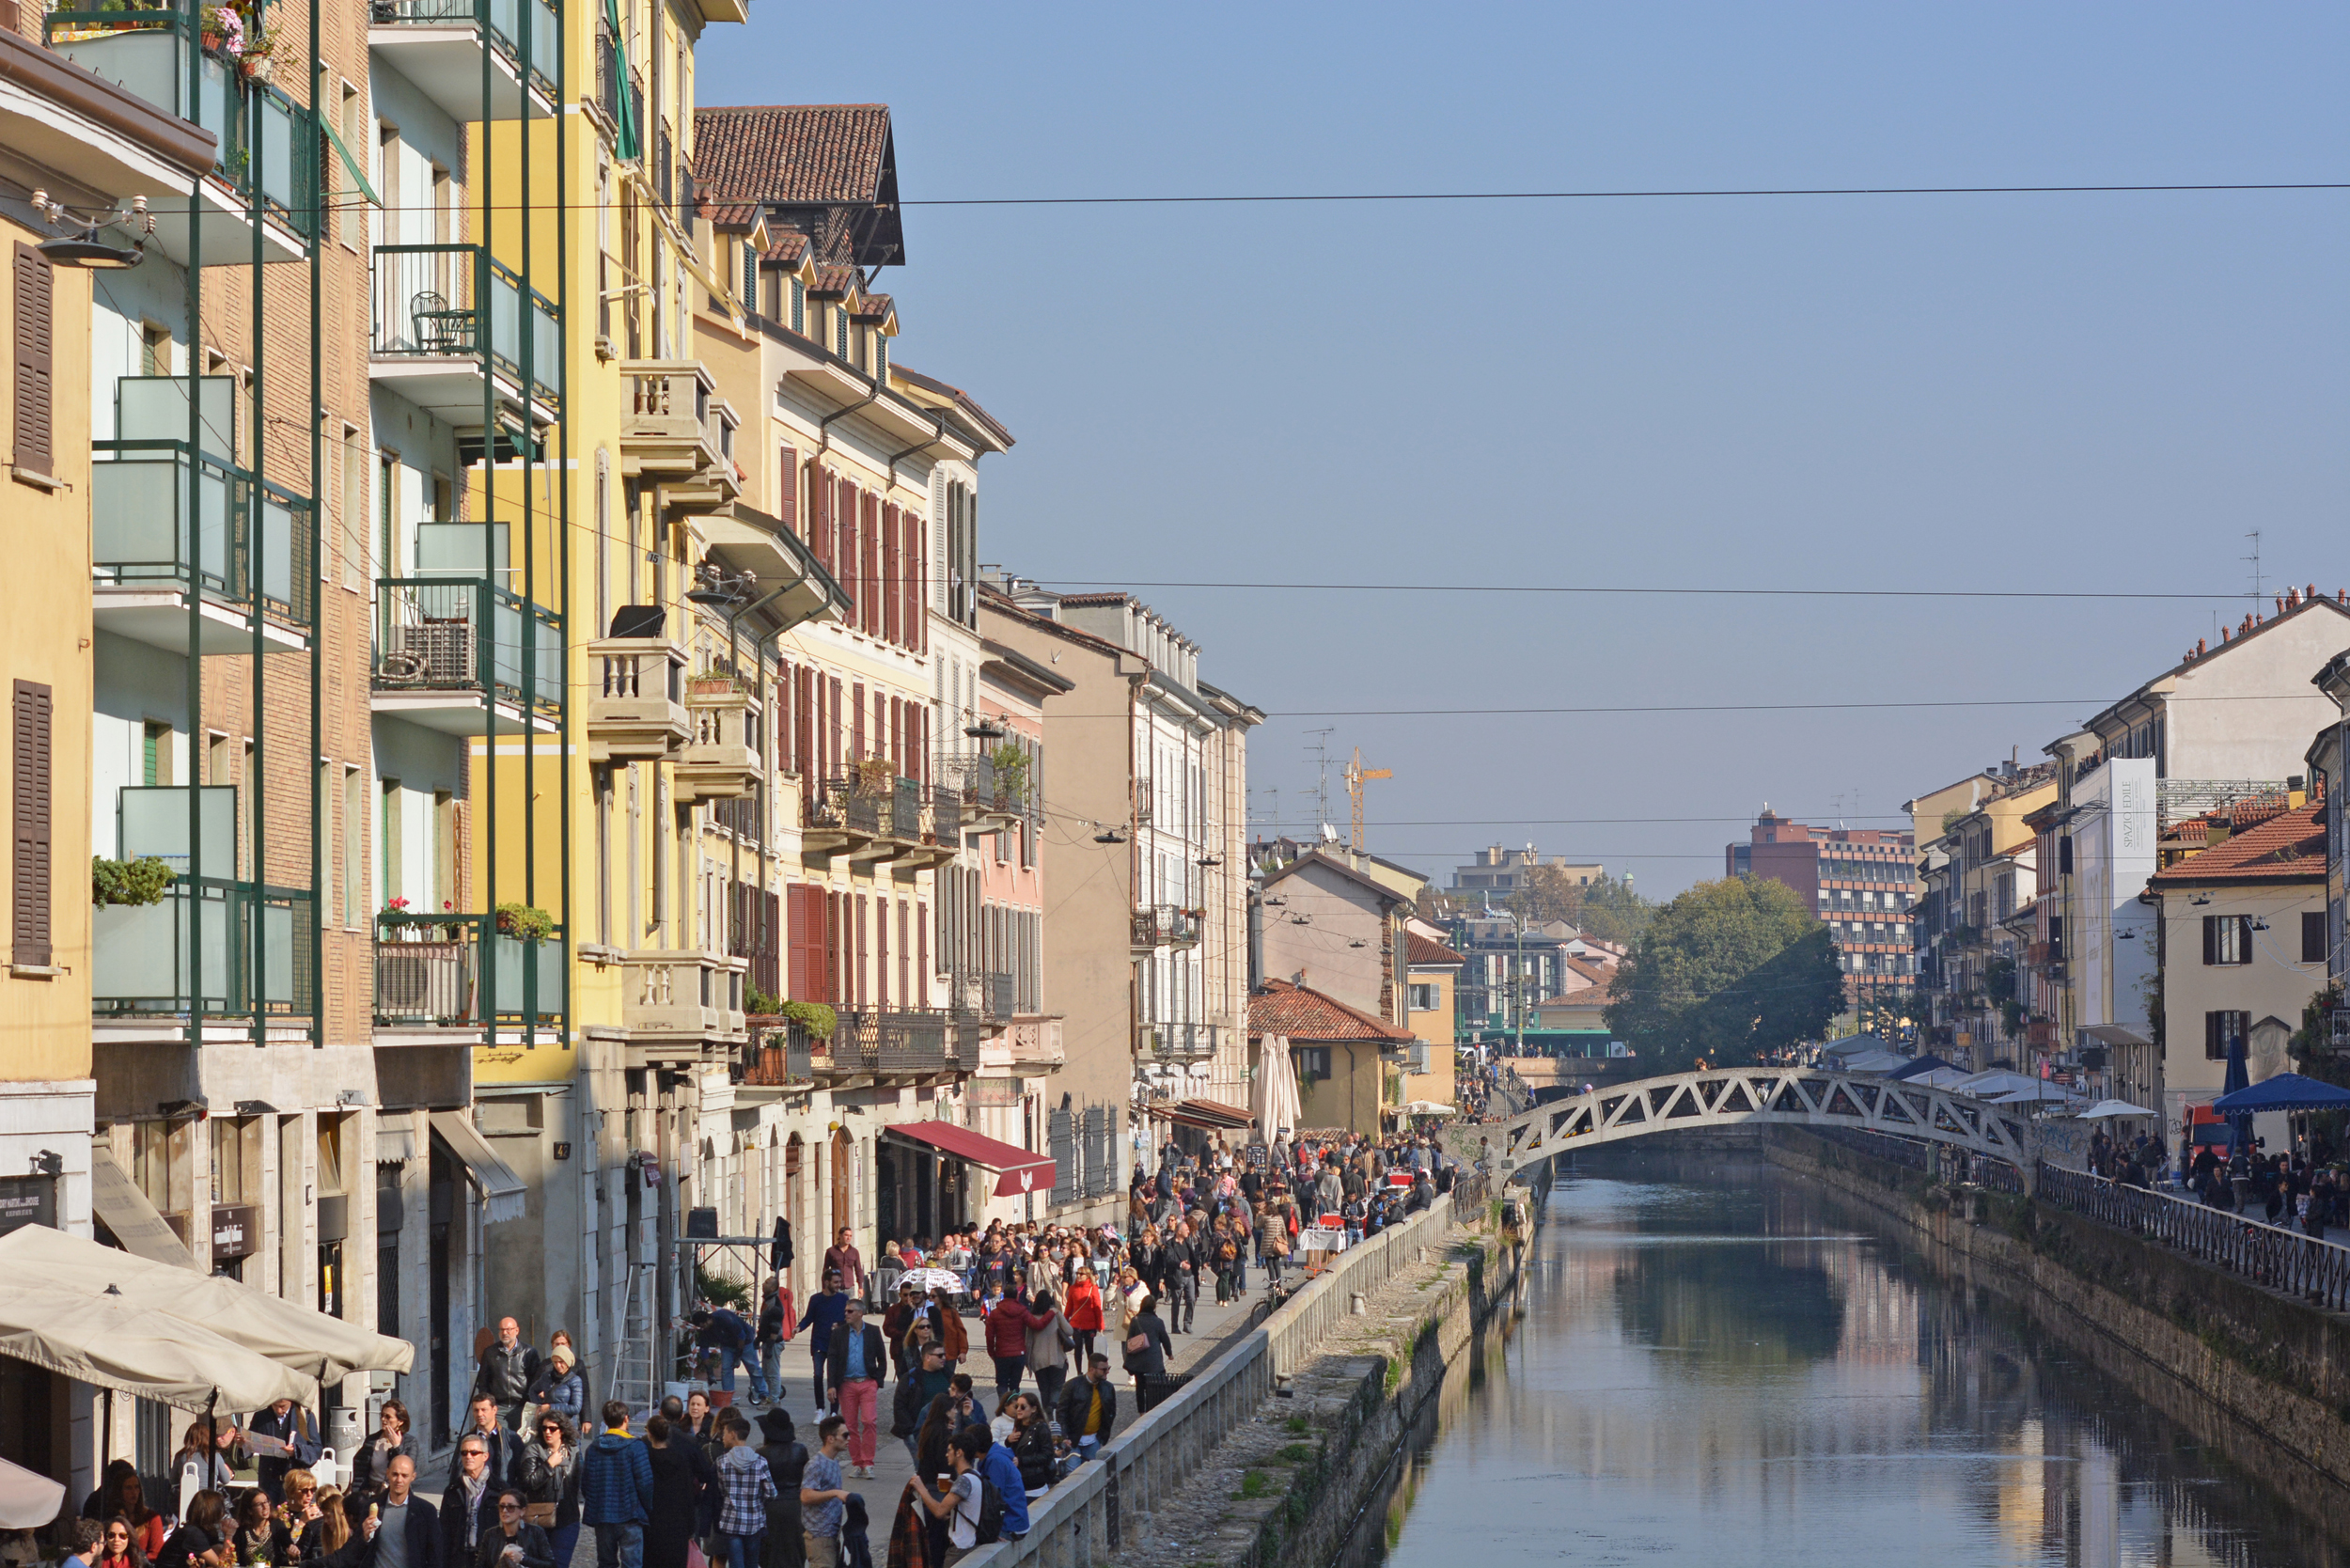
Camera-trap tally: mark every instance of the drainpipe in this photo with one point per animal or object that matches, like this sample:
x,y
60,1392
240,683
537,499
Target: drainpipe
x,y
938,434
823,426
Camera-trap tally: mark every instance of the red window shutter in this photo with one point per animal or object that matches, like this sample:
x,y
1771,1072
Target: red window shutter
x,y
787,490
923,953
33,379
820,514
833,726
844,528
29,792
808,766
869,561
910,530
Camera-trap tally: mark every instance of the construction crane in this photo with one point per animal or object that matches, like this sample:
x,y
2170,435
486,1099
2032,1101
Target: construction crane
x,y
1357,775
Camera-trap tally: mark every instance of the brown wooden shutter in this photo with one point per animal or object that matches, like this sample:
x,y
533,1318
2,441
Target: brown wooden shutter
x,y
28,780
856,722
787,490
34,377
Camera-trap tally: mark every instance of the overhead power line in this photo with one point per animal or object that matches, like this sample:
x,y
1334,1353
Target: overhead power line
x,y
1596,590
1622,196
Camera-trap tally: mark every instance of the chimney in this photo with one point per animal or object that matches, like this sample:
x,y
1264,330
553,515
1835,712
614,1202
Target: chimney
x,y
2223,634
2199,647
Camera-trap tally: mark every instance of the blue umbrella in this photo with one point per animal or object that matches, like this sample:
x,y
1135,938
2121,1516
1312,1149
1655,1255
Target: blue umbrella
x,y
2239,1079
2286,1092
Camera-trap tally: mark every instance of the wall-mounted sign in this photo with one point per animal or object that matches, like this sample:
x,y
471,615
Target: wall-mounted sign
x,y
28,1201
236,1230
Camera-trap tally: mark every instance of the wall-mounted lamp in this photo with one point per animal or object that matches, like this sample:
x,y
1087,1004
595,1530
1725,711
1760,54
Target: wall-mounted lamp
x,y
85,248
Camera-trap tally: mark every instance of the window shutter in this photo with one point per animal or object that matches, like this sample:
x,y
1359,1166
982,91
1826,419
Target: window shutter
x,y
2210,939
28,779
893,605
787,490
34,379
2313,937
938,541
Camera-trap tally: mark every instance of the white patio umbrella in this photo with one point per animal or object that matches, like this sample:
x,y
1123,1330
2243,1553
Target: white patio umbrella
x,y
287,1332
105,1338
2113,1107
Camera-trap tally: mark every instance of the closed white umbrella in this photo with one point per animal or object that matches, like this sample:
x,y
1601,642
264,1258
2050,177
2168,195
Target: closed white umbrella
x,y
287,1332
1277,1107
28,1499
103,1339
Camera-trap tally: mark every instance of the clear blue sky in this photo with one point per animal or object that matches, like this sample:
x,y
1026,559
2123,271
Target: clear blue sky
x,y
2033,391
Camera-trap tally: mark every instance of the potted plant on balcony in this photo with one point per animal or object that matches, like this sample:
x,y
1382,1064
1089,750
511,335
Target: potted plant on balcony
x,y
813,1019
1011,767
128,882
524,920
713,683
872,775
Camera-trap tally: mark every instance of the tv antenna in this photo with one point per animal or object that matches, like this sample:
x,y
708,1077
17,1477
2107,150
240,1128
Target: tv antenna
x,y
2254,535
1319,747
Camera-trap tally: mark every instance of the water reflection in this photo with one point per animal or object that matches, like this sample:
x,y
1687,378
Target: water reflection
x,y
1740,1372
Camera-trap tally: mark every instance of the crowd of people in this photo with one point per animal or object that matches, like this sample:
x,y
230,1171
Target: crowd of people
x,y
1489,1092
1051,1308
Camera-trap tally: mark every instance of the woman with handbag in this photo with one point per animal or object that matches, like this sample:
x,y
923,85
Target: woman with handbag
x,y
1050,1337
550,1485
1083,1310
1147,1346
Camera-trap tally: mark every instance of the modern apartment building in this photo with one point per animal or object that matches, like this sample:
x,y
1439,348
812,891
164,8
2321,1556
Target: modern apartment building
x,y
1861,880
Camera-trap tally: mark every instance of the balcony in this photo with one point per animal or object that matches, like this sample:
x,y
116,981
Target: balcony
x,y
437,44
213,949
429,975
675,1002
891,1047
1035,1046
1175,1044
781,1057
993,798
721,757
998,991
158,52
1165,925
636,710
676,432
456,332
170,517
873,816
464,656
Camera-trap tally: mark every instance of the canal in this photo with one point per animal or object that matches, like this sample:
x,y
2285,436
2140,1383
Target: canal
x,y
1739,1369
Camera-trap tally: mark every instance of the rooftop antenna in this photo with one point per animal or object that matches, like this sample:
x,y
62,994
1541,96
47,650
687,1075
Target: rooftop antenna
x,y
2254,535
1319,747
1355,775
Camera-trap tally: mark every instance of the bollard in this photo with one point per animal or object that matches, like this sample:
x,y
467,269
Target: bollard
x,y
1359,1306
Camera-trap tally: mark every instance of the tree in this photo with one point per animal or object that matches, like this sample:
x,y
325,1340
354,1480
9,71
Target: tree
x,y
1543,893
1729,971
1614,913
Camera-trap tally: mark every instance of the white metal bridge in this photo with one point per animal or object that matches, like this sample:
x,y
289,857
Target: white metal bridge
x,y
1732,1096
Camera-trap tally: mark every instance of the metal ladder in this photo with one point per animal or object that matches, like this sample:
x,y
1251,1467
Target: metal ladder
x,y
633,1382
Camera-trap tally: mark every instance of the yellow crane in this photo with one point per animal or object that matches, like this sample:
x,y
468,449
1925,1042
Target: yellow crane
x,y
1357,775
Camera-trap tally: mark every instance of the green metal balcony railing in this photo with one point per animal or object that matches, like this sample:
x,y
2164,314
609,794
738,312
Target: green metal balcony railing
x,y
500,20
162,53
456,301
467,634
245,543
211,949
431,969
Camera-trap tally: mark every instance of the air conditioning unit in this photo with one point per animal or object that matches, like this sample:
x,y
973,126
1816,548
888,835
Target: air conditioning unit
x,y
404,983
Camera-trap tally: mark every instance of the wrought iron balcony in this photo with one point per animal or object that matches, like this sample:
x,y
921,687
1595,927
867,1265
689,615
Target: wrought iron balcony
x,y
781,1055
456,333
453,971
1176,1043
461,655
1165,925
904,1045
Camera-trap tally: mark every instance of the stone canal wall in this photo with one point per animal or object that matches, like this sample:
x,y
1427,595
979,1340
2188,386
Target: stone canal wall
x,y
2261,1376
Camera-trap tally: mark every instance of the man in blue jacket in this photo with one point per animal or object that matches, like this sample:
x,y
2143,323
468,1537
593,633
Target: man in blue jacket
x,y
826,1310
616,1491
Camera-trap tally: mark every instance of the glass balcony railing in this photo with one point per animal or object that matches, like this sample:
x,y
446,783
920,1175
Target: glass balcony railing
x,y
456,301
211,949
451,970
467,636
172,55
502,21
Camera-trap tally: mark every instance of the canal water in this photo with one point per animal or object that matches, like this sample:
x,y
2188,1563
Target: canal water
x,y
1741,1369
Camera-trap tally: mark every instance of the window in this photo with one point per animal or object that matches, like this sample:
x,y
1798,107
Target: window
x,y
2227,939
2313,937
1313,1061
355,509
2223,1030
1424,998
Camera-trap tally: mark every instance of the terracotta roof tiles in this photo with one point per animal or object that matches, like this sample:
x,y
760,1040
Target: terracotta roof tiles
x,y
1419,949
1303,1014
2287,847
793,153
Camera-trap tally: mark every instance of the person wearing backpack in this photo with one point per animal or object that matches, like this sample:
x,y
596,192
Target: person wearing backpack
x,y
1000,1468
963,1502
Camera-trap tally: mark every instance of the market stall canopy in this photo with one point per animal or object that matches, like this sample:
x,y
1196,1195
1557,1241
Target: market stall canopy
x,y
2286,1092
2039,1093
1875,1061
1939,1077
2113,1107
1990,1085
1020,1169
502,1191
1214,1115
293,1335
106,1339
27,1500
1918,1068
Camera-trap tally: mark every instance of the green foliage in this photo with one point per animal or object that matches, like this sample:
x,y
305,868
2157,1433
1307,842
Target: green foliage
x,y
523,920
140,881
1297,1424
758,1003
1295,1454
1729,971
1253,1484
1998,979
1614,913
717,1288
814,1017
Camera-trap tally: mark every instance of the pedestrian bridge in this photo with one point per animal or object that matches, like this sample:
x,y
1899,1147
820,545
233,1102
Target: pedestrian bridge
x,y
1734,1096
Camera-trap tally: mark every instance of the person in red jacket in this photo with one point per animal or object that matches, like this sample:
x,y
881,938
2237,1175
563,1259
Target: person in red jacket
x,y
1008,1344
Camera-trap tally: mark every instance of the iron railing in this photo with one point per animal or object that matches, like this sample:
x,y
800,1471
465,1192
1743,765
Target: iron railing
x,y
430,969
211,947
248,545
457,302
2270,1255
500,20
899,1041
467,634
1165,925
779,1059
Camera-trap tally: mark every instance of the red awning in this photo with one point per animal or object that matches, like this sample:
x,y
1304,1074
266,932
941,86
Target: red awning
x,y
1023,1169
1209,1116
